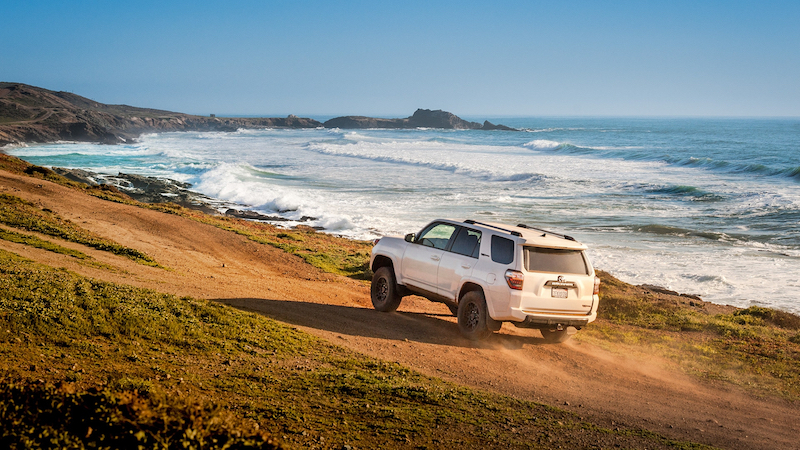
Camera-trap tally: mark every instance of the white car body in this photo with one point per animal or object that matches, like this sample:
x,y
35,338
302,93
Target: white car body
x,y
549,297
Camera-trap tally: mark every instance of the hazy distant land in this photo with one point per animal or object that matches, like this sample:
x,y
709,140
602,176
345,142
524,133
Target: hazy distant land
x,y
33,114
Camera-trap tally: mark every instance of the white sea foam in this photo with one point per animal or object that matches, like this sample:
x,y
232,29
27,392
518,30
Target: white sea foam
x,y
543,144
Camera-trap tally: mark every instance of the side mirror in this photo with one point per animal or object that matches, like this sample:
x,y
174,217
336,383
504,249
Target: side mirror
x,y
410,237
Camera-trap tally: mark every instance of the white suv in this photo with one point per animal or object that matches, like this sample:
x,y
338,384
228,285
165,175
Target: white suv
x,y
489,273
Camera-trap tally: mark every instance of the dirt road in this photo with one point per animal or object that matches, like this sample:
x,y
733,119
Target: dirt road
x,y
605,388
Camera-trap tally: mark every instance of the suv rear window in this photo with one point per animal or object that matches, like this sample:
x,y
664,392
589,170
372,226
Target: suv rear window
x,y
540,259
467,242
502,250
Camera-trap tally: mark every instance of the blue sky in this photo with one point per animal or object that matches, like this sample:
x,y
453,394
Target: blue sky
x,y
623,58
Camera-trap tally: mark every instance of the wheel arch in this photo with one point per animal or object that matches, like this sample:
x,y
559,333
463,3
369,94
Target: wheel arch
x,y
382,261
469,287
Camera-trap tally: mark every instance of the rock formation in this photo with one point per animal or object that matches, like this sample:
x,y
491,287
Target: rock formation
x,y
33,114
422,118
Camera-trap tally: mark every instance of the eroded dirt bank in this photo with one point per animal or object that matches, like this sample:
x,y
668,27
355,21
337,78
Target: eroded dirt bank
x,y
607,388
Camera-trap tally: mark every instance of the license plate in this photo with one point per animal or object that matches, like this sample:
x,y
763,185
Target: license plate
x,y
558,293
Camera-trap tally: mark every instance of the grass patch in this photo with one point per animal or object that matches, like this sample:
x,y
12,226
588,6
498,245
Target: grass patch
x,y
18,213
33,241
108,419
757,348
140,361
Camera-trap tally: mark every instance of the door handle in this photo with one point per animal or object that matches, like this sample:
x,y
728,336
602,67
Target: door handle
x,y
465,266
435,258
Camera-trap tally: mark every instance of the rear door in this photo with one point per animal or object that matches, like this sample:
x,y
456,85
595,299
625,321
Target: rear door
x,y
421,259
457,263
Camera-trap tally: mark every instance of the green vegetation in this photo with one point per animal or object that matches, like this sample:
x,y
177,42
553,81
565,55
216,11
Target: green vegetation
x,y
18,213
755,347
133,363
33,241
104,419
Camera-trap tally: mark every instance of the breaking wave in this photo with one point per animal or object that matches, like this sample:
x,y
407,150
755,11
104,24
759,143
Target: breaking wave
x,y
452,167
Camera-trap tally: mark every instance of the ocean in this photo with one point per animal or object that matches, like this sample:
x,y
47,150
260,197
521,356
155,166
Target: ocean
x,y
701,206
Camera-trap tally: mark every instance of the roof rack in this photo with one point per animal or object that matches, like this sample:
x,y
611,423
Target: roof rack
x,y
569,238
512,232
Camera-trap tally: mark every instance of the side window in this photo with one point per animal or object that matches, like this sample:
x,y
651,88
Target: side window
x,y
467,242
502,250
436,235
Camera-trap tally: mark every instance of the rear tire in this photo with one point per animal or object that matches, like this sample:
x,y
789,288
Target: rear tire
x,y
555,336
384,293
472,316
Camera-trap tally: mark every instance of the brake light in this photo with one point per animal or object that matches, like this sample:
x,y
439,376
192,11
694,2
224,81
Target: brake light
x,y
514,279
375,242
596,286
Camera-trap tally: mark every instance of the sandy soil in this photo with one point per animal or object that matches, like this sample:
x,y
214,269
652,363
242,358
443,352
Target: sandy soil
x,y
608,389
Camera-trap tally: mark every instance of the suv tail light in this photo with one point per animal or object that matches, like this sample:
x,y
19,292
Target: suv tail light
x,y
596,286
514,278
375,241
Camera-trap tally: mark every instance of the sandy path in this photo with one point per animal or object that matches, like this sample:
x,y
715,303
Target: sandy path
x,y
607,389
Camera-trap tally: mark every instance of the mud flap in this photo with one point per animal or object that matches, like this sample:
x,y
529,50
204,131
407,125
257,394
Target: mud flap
x,y
493,325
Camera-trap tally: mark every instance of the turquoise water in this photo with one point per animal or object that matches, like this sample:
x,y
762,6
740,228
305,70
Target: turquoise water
x,y
701,206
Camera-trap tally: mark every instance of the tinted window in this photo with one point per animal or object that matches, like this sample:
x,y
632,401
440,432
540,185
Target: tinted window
x,y
467,242
557,260
502,250
436,235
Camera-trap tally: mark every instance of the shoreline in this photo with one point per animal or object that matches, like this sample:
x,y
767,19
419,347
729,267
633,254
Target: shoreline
x,y
155,190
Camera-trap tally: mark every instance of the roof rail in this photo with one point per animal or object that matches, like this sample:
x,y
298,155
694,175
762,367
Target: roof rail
x,y
569,238
512,232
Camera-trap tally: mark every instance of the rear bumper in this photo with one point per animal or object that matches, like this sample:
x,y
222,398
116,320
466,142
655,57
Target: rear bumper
x,y
546,322
529,312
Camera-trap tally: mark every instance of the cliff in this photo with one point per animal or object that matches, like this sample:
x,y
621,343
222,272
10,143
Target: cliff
x,y
33,114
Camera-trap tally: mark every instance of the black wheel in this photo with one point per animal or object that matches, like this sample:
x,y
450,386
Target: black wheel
x,y
555,336
384,290
453,309
472,316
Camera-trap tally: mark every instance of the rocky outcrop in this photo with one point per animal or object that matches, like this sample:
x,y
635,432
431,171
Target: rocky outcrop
x,y
426,118
32,114
144,189
350,122
252,215
422,118
490,126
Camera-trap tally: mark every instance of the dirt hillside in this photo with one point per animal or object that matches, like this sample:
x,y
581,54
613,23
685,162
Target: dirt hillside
x,y
207,262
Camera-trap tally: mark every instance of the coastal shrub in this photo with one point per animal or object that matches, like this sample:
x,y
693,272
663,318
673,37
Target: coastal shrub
x,y
776,317
33,415
43,171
